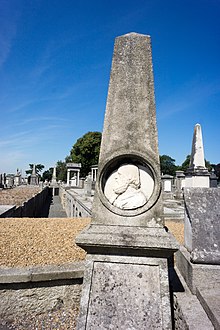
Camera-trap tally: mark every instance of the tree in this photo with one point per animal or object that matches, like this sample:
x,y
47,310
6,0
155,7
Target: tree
x,y
61,170
38,168
186,162
47,175
167,165
86,151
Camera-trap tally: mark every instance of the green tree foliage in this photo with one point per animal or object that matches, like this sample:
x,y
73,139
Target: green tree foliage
x,y
38,168
86,151
47,175
186,162
167,165
61,170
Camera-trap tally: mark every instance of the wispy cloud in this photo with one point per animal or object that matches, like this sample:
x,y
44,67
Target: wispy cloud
x,y
191,95
8,27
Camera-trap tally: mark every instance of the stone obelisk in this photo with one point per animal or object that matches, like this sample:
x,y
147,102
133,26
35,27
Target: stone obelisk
x,y
126,278
34,177
197,174
54,176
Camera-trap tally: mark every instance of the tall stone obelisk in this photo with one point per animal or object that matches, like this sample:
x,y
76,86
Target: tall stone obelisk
x,y
54,176
126,278
197,174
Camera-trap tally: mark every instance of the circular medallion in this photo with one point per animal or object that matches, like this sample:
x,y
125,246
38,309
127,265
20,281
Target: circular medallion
x,y
128,185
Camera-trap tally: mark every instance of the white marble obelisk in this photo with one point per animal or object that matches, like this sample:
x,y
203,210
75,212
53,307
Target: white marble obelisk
x,y
197,174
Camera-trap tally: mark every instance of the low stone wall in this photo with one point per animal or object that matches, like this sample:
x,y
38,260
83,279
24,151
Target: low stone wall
x,y
75,205
33,208
37,290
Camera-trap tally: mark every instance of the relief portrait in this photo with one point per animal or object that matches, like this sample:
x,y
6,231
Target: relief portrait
x,y
129,187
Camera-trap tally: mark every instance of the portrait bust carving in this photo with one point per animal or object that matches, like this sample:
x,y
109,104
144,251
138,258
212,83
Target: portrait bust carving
x,y
129,187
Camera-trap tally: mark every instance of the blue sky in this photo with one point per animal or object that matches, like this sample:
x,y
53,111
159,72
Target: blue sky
x,y
55,60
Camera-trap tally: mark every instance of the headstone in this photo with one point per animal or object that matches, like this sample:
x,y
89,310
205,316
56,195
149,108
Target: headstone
x,y
179,184
197,174
202,224
126,278
213,179
88,185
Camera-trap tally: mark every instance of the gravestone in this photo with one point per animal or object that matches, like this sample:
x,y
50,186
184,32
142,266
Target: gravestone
x,y
88,185
213,179
202,224
199,259
126,278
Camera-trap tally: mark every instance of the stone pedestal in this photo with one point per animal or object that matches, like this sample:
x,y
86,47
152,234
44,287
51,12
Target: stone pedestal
x,y
34,180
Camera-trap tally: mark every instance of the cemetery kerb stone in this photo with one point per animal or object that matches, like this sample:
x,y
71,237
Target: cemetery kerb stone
x,y
126,278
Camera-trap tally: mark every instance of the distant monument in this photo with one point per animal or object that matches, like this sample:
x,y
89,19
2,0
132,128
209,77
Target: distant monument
x,y
54,176
34,177
75,168
197,174
126,278
17,178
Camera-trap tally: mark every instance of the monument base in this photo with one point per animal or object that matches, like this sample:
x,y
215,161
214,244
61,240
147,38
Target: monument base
x,y
126,283
123,292
126,240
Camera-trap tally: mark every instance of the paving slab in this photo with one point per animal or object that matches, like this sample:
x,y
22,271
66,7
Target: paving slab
x,y
56,209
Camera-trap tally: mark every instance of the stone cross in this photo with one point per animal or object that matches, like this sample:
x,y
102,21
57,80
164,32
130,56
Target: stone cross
x,y
126,278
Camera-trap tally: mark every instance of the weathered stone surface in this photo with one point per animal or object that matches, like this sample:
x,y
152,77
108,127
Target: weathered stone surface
x,y
127,240
36,300
41,273
202,224
188,312
119,293
196,275
126,278
35,290
129,139
209,298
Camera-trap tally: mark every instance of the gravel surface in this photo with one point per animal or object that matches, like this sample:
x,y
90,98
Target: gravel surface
x,y
54,320
40,241
47,241
177,229
18,195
